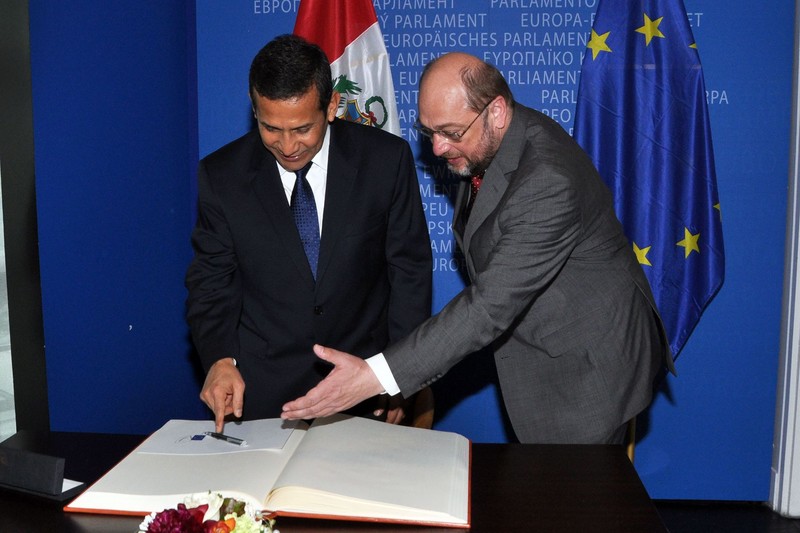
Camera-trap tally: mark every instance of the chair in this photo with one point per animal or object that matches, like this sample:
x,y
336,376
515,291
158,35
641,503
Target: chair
x,y
630,439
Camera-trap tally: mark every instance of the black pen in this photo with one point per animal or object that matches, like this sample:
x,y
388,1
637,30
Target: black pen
x,y
226,438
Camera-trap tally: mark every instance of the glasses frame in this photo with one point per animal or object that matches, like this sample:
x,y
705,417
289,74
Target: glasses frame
x,y
451,136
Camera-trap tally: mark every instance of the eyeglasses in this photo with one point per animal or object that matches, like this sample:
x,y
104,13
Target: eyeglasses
x,y
452,136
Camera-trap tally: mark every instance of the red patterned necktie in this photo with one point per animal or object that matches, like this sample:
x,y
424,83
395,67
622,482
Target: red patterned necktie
x,y
474,187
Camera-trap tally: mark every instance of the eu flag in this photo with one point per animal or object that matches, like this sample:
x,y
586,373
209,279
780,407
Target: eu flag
x,y
642,117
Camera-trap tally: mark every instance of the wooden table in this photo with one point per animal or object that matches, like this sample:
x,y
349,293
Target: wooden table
x,y
515,487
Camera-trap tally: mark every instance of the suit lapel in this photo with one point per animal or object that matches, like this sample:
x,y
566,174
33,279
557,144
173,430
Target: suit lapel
x,y
267,186
341,178
495,183
458,213
492,189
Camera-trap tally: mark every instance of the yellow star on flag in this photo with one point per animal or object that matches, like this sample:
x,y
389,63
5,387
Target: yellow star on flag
x,y
641,254
689,242
650,29
598,43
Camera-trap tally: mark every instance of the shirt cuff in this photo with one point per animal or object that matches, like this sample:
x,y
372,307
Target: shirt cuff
x,y
382,371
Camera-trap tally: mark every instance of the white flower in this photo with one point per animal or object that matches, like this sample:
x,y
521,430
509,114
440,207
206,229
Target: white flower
x,y
245,524
213,499
146,522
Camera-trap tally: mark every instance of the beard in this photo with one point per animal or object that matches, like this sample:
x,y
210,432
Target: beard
x,y
485,151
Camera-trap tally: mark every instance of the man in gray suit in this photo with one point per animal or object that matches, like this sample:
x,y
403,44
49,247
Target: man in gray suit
x,y
556,290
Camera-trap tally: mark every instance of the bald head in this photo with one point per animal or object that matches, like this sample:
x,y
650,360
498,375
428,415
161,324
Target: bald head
x,y
450,67
458,73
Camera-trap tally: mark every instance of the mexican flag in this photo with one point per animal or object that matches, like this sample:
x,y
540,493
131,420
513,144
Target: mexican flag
x,y
348,32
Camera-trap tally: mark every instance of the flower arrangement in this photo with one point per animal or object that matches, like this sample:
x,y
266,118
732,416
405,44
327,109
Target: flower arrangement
x,y
209,513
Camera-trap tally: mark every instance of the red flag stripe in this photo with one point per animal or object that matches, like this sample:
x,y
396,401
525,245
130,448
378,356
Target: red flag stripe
x,y
333,24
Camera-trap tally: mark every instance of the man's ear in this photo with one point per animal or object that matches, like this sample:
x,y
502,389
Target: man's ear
x,y
333,106
498,110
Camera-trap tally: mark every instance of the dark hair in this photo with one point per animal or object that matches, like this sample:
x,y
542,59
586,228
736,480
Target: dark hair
x,y
287,67
484,83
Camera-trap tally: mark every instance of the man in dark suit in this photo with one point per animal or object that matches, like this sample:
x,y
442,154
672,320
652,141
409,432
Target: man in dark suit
x,y
257,303
556,289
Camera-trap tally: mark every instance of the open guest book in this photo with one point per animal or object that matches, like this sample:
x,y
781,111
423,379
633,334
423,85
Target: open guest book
x,y
339,467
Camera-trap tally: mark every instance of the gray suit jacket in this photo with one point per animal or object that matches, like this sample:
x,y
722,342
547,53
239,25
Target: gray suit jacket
x,y
555,290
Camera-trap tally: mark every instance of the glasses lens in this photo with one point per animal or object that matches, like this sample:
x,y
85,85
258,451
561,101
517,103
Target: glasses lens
x,y
423,130
452,136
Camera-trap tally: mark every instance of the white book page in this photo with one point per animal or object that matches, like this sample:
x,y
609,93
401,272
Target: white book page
x,y
187,437
146,482
374,461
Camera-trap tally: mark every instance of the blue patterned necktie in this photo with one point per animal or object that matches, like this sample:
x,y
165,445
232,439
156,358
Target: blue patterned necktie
x,y
304,209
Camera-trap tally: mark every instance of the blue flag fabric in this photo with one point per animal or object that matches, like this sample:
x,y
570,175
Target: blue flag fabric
x,y
641,116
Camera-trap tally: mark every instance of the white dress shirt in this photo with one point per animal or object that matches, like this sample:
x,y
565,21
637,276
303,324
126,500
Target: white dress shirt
x,y
381,370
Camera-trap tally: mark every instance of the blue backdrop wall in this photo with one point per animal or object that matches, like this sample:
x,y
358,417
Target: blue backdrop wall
x,y
127,96
113,135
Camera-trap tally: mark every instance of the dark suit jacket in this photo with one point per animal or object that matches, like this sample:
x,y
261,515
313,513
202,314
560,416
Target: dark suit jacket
x,y
556,291
251,292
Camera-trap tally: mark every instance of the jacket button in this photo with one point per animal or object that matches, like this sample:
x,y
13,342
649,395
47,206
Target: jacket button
x,y
317,310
